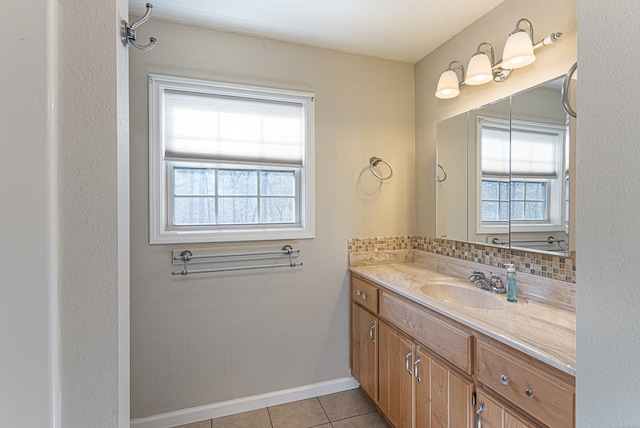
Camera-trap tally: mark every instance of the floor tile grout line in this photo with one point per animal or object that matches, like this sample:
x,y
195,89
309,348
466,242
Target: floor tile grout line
x,y
269,414
356,416
323,409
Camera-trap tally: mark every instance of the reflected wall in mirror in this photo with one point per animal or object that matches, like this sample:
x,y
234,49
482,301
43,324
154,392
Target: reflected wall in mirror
x,y
508,173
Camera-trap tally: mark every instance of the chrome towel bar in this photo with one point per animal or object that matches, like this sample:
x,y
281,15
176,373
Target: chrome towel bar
x,y
186,256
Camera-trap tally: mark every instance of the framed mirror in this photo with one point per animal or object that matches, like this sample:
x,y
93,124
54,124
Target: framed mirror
x,y
505,174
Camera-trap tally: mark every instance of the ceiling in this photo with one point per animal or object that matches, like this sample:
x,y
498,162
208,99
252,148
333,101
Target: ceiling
x,y
400,30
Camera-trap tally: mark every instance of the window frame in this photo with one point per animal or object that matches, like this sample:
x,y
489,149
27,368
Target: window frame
x,y
161,227
555,186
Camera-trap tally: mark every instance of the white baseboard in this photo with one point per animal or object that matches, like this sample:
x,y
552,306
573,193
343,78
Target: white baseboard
x,y
231,407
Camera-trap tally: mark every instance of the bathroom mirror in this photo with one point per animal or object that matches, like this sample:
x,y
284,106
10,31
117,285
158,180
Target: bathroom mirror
x,y
504,173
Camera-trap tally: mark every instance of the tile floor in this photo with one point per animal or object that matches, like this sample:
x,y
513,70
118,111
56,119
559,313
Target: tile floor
x,y
348,409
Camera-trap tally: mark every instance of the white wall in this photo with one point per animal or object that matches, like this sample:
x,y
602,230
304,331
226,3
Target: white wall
x,y
29,387
94,214
608,248
209,338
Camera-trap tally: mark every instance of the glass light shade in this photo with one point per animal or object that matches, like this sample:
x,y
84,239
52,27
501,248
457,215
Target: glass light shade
x,y
518,51
479,70
448,85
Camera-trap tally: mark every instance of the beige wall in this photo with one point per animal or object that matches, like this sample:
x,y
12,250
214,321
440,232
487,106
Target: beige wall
x,y
209,338
547,16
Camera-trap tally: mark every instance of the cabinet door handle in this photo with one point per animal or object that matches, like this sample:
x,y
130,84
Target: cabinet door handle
x,y
529,393
504,379
406,361
415,369
372,337
479,415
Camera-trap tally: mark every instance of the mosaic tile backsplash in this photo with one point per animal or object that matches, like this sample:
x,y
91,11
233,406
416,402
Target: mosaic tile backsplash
x,y
544,265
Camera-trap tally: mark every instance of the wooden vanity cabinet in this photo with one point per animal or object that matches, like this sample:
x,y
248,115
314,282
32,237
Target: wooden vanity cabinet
x,y
449,395
395,376
364,350
493,414
417,390
364,336
422,369
539,390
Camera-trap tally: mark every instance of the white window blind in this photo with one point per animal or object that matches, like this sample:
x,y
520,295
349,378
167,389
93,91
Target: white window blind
x,y
229,162
523,152
232,129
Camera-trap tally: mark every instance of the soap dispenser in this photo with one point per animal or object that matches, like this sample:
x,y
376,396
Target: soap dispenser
x,y
512,288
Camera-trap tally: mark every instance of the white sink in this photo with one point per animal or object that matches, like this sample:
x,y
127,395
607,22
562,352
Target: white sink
x,y
462,295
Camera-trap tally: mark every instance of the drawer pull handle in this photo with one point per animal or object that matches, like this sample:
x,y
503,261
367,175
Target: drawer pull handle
x,y
479,415
406,362
415,369
372,337
358,292
529,393
364,296
504,379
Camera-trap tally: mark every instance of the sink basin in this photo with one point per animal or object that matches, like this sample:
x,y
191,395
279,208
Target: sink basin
x,y
463,296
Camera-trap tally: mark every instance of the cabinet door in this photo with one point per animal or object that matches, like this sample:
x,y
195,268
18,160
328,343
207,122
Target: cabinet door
x,y
422,377
495,415
511,421
396,376
364,350
442,397
491,413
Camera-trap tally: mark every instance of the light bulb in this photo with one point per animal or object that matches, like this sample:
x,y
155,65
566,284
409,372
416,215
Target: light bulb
x,y
518,51
479,70
448,85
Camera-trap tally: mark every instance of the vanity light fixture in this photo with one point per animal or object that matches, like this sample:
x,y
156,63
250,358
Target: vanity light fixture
x,y
518,52
518,49
480,65
449,85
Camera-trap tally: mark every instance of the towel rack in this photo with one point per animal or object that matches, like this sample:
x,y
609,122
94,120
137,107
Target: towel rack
x,y
444,178
565,91
373,162
549,240
187,255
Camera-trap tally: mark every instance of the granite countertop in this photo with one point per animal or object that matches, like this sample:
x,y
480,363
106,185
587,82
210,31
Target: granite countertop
x,y
539,330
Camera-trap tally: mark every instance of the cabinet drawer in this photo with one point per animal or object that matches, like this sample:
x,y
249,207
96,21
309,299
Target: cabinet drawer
x,y
528,386
365,294
448,341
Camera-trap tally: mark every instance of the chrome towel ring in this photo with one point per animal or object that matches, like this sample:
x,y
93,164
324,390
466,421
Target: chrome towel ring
x,y
443,179
373,162
565,91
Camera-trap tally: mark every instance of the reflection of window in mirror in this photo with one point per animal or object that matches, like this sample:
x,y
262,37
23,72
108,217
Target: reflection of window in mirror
x,y
522,176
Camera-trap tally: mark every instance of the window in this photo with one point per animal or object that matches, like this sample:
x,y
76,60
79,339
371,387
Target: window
x,y
504,200
522,176
229,162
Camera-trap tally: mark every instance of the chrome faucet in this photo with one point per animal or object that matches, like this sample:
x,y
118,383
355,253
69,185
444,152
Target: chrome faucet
x,y
493,283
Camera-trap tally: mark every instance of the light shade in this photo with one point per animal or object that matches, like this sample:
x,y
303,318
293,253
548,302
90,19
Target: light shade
x,y
448,85
518,51
479,70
